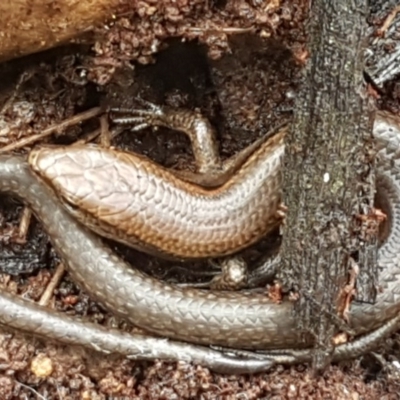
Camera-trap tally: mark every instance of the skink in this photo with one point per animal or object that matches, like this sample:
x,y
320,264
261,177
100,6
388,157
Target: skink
x,y
235,320
130,199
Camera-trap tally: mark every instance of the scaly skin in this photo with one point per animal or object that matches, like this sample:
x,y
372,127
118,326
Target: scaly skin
x,y
128,198
235,320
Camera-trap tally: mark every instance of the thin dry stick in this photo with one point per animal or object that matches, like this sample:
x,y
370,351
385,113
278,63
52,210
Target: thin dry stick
x,y
74,120
91,136
24,224
37,394
105,136
88,137
388,21
54,281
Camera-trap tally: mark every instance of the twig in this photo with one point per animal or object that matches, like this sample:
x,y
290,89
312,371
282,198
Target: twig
x,y
54,281
74,120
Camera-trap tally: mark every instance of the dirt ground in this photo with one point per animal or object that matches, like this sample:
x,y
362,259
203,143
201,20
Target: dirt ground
x,y
240,65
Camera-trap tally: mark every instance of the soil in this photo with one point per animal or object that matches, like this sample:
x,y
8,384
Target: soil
x,y
240,65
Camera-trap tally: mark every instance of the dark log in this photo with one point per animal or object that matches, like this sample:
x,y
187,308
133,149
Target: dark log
x,y
328,179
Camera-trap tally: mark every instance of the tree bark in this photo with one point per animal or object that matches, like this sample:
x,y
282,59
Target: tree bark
x,y
328,179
